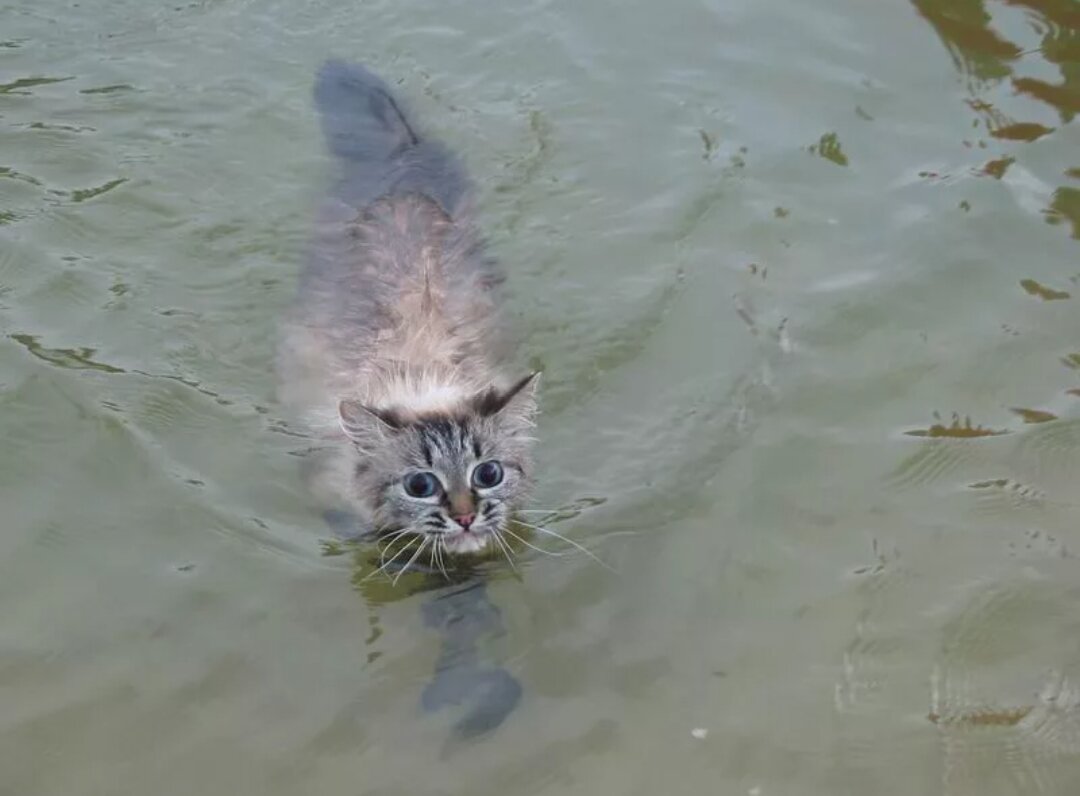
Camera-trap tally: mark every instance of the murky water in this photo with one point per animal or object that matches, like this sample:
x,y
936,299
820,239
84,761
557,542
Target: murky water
x,y
803,280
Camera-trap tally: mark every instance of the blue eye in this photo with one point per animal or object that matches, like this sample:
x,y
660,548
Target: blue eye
x,y
421,485
487,475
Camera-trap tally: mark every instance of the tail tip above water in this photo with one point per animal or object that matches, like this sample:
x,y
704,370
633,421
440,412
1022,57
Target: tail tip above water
x,y
360,115
337,79
366,125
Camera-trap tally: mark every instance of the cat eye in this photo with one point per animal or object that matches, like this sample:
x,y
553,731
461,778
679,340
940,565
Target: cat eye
x,y
421,485
487,475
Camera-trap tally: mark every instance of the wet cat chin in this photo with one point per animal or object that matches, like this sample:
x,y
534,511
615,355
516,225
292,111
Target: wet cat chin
x,y
466,542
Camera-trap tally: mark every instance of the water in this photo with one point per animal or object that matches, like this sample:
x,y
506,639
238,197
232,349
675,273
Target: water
x,y
763,250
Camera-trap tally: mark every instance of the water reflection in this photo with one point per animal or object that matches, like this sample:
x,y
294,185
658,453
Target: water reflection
x,y
988,57
999,734
1065,208
964,28
958,429
1042,291
456,606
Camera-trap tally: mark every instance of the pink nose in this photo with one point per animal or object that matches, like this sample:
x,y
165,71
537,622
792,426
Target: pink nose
x,y
465,520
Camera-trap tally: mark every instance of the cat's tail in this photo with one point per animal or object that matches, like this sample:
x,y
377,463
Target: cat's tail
x,y
381,152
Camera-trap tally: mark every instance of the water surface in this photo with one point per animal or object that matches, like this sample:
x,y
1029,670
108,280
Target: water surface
x,y
803,281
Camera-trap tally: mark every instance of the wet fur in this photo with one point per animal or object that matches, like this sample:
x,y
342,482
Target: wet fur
x,y
391,352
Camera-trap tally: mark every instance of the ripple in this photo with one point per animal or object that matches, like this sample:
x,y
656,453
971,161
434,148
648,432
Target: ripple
x,y
17,86
1065,207
965,30
1038,544
1020,131
930,463
1060,96
90,193
113,89
1041,291
1034,415
1055,721
613,349
12,174
867,657
1030,745
65,128
69,358
83,358
1011,491
1053,447
957,429
994,625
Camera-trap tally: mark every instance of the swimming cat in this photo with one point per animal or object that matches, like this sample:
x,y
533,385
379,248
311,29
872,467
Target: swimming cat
x,y
392,351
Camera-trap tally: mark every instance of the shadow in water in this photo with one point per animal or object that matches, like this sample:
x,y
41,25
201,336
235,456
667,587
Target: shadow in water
x,y
457,606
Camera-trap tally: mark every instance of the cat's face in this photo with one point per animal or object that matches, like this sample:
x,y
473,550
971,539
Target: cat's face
x,y
453,478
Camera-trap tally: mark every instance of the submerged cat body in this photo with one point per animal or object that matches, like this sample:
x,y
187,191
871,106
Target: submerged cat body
x,y
391,352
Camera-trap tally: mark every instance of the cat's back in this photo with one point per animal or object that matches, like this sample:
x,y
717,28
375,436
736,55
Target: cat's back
x,y
394,237
369,268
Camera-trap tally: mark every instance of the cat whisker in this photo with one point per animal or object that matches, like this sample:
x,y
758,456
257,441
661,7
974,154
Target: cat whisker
x,y
532,546
433,552
442,560
497,535
391,538
409,563
384,564
391,542
437,553
570,542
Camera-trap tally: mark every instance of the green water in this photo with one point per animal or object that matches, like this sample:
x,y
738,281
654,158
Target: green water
x,y
763,251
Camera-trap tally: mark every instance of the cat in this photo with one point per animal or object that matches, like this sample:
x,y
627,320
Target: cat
x,y
392,350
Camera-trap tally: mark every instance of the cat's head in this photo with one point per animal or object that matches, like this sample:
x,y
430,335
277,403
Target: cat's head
x,y
454,475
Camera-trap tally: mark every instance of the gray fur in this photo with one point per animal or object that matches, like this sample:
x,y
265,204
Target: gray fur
x,y
391,351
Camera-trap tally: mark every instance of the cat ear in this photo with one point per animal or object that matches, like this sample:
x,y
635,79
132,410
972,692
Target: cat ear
x,y
519,396
360,421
